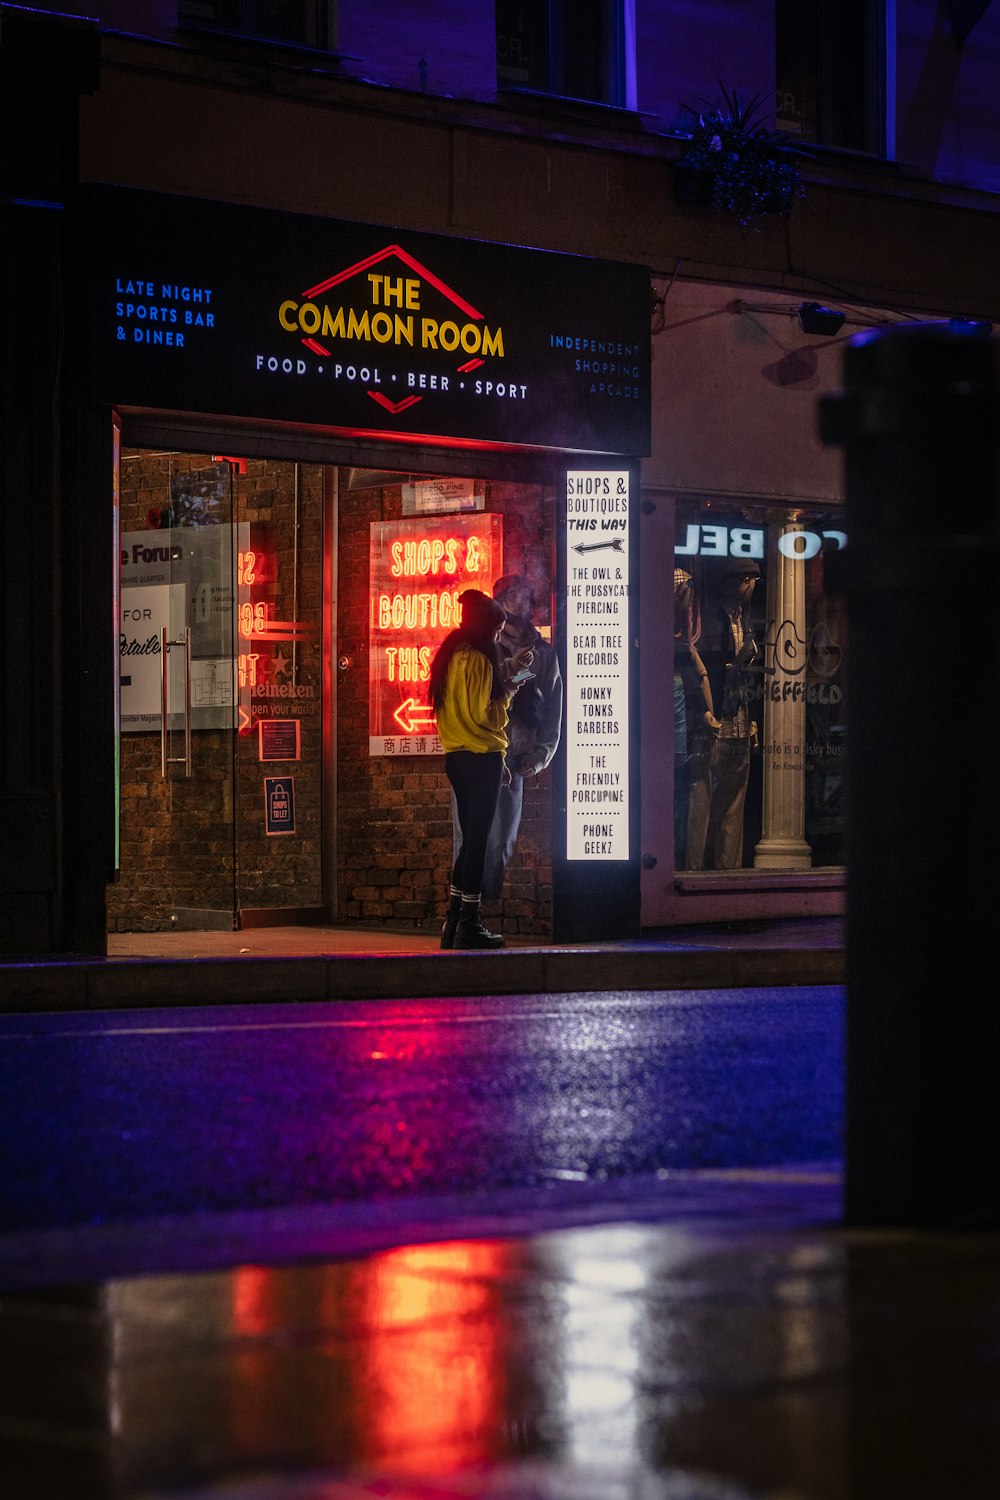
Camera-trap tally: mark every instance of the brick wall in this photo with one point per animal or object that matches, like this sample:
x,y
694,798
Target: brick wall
x,y
394,835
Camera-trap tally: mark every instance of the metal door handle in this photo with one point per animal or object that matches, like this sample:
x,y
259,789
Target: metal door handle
x,y
165,759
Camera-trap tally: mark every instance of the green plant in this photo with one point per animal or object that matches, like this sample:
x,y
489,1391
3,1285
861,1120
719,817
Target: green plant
x,y
751,169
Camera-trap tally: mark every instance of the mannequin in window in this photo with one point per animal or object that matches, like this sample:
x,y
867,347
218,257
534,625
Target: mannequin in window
x,y
693,707
719,759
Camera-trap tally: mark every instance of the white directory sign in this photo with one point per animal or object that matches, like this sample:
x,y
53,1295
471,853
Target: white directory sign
x,y
597,664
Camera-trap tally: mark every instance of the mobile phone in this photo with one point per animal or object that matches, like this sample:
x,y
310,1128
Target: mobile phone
x,y
522,676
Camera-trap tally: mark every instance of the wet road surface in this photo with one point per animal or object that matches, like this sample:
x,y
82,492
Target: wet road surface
x,y
128,1115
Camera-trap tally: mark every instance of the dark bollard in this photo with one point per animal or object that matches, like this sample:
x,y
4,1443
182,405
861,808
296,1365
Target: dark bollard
x,y
919,421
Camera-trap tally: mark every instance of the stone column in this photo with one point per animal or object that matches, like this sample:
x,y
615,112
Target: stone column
x,y
782,844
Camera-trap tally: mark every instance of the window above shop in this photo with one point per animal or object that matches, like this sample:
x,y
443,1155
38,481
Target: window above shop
x,y
301,23
573,49
831,72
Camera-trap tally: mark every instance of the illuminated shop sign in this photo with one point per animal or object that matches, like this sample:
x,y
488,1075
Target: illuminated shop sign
x,y
216,307
748,541
418,570
597,657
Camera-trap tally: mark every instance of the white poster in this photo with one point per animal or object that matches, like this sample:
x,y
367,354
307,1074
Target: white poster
x,y
597,664
144,614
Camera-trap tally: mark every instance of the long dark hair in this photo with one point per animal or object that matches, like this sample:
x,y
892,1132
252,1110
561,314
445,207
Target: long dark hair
x,y
482,617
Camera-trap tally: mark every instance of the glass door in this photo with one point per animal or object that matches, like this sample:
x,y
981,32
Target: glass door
x,y
178,694
221,676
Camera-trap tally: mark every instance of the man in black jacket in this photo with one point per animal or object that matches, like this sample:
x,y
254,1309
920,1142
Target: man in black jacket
x,y
533,728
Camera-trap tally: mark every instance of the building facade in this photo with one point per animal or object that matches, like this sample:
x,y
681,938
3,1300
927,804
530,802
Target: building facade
x,y
316,313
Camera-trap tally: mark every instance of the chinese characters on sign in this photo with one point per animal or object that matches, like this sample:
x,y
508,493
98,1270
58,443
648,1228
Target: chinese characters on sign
x,y
597,665
419,568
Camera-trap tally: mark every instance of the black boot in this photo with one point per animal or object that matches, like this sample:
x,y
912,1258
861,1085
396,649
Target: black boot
x,y
451,919
471,933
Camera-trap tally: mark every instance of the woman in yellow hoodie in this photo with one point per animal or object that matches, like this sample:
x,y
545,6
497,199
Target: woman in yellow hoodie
x,y
471,691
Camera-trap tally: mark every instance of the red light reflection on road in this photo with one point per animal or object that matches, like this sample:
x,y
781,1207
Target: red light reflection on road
x,y
254,1312
404,1364
433,1362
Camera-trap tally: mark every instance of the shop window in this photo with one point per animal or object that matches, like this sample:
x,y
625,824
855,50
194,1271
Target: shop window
x,y
759,688
830,62
573,48
306,23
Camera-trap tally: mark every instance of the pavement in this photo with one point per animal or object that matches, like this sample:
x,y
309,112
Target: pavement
x,y
717,1337
336,963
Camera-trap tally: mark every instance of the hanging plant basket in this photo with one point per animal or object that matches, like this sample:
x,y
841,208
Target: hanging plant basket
x,y
732,164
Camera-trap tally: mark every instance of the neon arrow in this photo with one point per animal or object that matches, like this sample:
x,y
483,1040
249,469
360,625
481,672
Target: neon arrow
x,y
412,713
616,545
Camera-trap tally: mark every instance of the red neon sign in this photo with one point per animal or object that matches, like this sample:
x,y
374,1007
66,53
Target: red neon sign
x,y
419,568
265,672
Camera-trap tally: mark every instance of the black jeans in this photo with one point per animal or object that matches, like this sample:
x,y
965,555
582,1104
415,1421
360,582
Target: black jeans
x,y
475,779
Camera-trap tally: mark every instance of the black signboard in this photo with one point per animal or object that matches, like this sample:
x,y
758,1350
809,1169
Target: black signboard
x,y
217,308
279,804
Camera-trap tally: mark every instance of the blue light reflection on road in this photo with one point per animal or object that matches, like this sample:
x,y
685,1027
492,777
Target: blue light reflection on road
x,y
112,1116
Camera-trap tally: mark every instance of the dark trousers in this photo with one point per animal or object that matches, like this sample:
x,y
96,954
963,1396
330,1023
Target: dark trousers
x,y
475,780
503,835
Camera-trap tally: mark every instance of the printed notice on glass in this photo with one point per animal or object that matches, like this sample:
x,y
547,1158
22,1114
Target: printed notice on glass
x,y
597,664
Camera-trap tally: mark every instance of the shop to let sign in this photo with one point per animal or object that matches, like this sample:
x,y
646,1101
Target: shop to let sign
x,y
419,569
597,658
279,805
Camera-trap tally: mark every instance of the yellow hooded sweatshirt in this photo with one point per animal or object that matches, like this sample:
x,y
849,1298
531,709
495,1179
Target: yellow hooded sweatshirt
x,y
469,719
